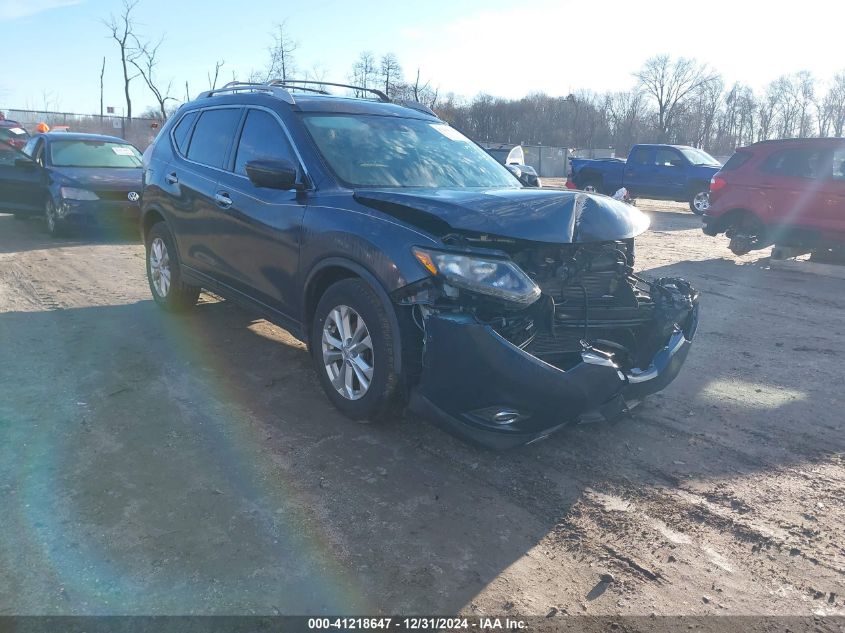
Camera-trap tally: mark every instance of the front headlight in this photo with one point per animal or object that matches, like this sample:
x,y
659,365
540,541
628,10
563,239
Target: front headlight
x,y
496,277
72,193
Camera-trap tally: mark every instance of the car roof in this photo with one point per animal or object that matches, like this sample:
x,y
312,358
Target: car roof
x,y
787,142
80,136
9,123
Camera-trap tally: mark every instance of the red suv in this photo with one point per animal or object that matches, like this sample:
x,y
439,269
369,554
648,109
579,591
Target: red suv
x,y
789,193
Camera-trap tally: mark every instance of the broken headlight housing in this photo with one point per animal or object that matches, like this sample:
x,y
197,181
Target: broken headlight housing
x,y
494,277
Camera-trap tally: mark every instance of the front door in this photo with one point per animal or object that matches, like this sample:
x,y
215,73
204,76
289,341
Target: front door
x,y
22,182
262,226
669,180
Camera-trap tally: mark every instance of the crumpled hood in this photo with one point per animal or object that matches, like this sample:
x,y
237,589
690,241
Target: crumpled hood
x,y
540,215
102,179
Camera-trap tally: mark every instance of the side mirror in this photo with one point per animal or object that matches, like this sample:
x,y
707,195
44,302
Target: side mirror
x,y
25,163
676,162
524,174
273,174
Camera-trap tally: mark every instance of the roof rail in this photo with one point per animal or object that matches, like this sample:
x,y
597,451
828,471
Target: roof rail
x,y
415,105
245,86
290,82
288,86
281,88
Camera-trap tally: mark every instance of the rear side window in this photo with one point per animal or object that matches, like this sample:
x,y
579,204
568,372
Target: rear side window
x,y
182,131
736,161
212,136
639,156
262,139
796,163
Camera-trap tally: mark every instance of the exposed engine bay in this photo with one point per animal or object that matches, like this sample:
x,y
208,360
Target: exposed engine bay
x,y
591,299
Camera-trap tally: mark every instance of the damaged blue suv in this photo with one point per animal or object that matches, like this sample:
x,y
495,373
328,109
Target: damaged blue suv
x,y
416,268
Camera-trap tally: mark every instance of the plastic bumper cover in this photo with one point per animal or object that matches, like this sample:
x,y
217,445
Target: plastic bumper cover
x,y
478,385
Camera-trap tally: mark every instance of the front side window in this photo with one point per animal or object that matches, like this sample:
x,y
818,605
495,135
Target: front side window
x,y
262,139
698,156
666,158
212,135
93,153
381,151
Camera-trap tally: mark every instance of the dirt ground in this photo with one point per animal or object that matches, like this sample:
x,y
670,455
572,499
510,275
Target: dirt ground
x,y
152,463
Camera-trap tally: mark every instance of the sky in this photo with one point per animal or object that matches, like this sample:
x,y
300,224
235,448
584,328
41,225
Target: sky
x,y
506,48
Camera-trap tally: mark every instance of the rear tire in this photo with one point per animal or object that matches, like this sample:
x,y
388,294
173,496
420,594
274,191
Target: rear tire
x,y
352,345
593,186
699,202
164,273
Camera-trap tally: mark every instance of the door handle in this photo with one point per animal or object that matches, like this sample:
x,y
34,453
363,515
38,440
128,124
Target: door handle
x,y
222,199
171,178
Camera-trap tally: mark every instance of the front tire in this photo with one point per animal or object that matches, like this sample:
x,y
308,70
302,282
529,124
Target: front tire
x,y
56,227
164,273
352,345
699,202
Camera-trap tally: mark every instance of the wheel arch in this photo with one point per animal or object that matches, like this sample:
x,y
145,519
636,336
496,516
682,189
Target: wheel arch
x,y
727,219
333,269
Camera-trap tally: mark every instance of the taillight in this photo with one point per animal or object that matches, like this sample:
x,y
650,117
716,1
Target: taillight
x,y
717,183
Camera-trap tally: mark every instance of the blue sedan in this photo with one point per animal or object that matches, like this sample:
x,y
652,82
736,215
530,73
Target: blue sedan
x,y
72,180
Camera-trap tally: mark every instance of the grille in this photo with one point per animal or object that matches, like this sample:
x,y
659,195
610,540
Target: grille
x,y
115,196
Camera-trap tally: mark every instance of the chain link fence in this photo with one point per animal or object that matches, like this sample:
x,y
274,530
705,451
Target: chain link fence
x,y
138,131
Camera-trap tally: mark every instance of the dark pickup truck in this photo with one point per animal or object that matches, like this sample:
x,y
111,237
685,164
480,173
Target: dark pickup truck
x,y
660,172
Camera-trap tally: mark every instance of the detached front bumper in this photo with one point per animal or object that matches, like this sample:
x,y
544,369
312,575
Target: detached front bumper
x,y
480,386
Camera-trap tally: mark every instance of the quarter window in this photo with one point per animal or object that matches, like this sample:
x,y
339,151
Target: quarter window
x,y
212,136
262,139
182,131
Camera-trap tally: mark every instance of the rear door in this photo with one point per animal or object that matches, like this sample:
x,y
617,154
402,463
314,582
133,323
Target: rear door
x,y
22,182
201,149
262,225
792,184
639,171
670,173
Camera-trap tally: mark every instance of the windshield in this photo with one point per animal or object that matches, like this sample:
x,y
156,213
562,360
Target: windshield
x,y
698,156
94,154
379,151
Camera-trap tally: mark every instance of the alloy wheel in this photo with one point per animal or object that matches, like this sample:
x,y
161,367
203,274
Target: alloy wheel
x,y
160,267
701,202
348,352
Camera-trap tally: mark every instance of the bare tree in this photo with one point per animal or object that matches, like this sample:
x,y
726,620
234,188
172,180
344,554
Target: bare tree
x,y
391,73
144,58
212,82
102,74
364,70
122,30
670,82
318,72
282,64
